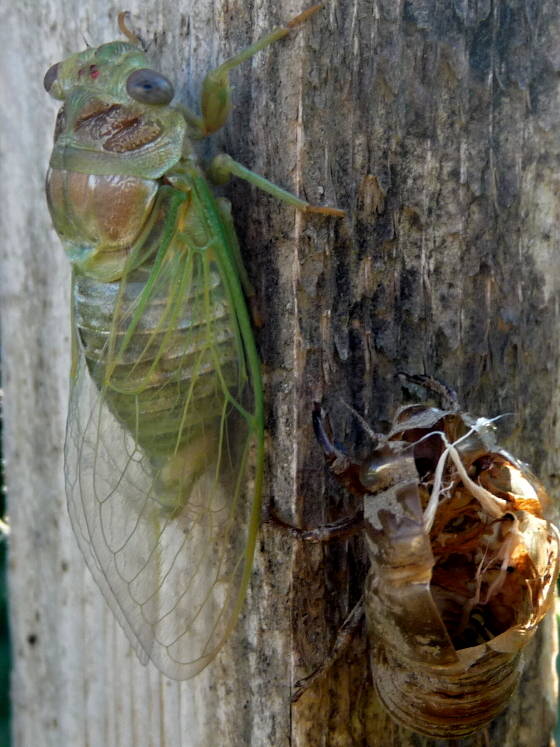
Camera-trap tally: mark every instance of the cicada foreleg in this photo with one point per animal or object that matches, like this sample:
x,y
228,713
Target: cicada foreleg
x,y
346,471
216,90
215,100
344,638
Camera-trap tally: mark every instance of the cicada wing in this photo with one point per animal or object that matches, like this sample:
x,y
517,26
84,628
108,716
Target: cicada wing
x,y
159,445
93,440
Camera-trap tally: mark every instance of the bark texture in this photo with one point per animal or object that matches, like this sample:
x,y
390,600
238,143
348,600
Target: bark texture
x,y
434,124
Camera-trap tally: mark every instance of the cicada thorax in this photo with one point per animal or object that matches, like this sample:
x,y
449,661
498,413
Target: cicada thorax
x,y
105,176
463,568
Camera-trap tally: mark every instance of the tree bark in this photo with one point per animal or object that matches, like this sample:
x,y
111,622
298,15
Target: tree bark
x,y
435,126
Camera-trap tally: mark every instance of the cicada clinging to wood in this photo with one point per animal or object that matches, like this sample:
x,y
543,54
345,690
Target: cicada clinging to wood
x,y
463,564
165,426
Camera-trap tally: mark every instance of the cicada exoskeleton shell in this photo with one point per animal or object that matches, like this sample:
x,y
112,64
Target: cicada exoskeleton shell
x,y
463,565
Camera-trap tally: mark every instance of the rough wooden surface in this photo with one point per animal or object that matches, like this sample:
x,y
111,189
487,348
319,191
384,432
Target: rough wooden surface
x,y
435,125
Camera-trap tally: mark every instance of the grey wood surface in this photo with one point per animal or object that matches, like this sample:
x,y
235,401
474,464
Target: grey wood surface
x,y
434,124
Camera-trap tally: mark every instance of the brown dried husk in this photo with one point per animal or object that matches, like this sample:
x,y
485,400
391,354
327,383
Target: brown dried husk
x,y
464,566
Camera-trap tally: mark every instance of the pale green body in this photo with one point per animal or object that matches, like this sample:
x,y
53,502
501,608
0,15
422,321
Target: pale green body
x,y
166,415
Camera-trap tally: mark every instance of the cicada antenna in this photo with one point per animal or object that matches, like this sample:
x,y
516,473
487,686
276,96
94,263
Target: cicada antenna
x,y
125,27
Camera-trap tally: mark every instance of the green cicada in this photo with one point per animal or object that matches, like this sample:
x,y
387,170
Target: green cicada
x,y
165,426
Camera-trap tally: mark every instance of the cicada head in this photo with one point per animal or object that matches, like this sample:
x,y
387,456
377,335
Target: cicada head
x,y
463,568
118,68
116,120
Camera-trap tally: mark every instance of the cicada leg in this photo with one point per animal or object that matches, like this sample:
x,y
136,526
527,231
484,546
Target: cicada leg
x,y
215,100
346,472
337,530
344,638
216,90
341,529
447,395
215,106
223,166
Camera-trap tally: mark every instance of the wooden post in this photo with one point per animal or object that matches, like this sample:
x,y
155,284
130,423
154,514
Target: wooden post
x,y
435,126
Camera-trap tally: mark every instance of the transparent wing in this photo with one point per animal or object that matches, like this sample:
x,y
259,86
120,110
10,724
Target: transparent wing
x,y
164,427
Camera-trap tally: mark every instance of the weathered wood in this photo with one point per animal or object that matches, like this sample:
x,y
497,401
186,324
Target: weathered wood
x,y
435,126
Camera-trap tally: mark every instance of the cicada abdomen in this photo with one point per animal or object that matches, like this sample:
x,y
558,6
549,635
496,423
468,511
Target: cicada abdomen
x,y
463,568
165,427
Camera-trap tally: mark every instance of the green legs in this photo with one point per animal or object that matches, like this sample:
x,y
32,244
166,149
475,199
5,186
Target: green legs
x,y
215,101
215,107
223,166
216,91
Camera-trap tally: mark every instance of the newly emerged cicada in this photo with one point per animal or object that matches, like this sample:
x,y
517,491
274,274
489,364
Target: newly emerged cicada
x,y
463,565
165,425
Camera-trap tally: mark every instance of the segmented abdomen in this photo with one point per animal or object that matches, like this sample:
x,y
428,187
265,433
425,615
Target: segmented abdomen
x,y
164,364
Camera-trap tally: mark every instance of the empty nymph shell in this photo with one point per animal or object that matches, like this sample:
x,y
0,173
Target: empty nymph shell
x,y
463,565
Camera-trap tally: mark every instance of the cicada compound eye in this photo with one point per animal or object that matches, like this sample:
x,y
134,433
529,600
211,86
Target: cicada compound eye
x,y
149,87
50,77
